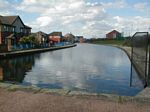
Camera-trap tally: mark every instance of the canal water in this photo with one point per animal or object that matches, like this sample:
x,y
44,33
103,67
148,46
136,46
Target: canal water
x,y
86,67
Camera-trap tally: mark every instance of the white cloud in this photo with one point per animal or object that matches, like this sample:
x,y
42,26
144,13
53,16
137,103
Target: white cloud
x,y
38,6
69,16
3,4
76,4
44,21
141,7
83,18
5,7
116,4
76,16
92,4
130,25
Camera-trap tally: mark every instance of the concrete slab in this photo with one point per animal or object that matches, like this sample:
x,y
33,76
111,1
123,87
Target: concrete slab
x,y
24,88
5,85
55,91
145,93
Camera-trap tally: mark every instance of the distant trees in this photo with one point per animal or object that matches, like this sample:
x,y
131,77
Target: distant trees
x,y
126,41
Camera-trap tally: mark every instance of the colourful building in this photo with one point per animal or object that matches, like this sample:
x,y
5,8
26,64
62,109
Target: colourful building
x,y
55,37
113,35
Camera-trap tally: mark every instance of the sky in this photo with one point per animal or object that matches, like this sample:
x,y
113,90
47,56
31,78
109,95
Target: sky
x,y
89,18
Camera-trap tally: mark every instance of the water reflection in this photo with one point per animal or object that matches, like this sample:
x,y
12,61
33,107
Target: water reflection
x,y
14,70
91,68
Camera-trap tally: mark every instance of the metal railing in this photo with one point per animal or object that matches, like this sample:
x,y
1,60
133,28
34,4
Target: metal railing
x,y
140,55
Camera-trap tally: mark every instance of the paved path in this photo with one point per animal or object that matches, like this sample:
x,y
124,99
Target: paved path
x,y
21,101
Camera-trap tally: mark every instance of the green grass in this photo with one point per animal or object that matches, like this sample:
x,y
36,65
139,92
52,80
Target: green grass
x,y
111,42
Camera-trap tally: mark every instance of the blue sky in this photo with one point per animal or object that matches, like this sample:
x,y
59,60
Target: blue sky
x,y
90,18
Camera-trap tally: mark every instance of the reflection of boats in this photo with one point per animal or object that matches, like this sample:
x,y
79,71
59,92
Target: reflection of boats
x,y
1,73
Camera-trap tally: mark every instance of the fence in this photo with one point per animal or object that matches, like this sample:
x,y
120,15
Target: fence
x,y
140,54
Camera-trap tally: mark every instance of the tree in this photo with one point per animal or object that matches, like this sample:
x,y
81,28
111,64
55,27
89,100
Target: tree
x,y
29,40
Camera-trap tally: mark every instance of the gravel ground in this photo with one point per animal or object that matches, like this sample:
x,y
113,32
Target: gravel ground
x,y
21,101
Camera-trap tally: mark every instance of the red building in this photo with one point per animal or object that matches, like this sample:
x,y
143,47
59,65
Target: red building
x,y
55,36
113,35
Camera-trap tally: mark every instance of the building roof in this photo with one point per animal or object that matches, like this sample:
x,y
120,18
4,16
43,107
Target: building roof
x,y
69,35
27,27
55,34
3,20
9,20
113,31
79,36
42,33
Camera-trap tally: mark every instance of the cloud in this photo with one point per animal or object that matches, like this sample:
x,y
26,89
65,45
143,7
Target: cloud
x,y
5,7
69,16
141,7
130,25
3,4
44,21
77,16
33,6
116,4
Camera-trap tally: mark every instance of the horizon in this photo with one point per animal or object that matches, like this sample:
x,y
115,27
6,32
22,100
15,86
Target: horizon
x,y
88,18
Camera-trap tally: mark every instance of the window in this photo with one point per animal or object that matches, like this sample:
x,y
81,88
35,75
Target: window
x,y
25,31
13,29
5,28
21,30
114,35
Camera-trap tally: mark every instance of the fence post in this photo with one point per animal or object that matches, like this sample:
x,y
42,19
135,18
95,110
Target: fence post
x,y
148,77
140,44
131,61
147,65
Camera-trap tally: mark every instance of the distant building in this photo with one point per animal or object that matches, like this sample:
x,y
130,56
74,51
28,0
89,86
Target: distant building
x,y
113,35
41,37
69,38
79,39
12,26
55,37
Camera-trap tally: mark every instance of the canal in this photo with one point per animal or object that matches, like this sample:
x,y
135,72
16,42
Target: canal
x,y
86,67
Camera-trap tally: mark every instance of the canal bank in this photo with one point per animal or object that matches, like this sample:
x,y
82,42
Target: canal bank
x,y
145,94
17,98
32,51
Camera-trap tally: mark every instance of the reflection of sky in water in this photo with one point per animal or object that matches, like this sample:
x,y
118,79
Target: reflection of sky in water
x,y
91,68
